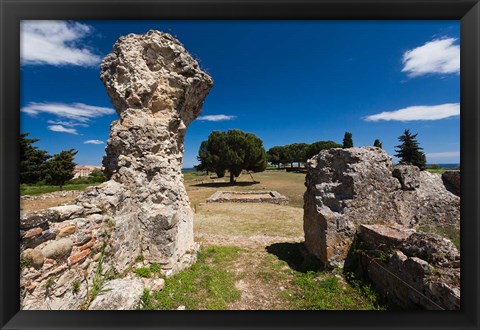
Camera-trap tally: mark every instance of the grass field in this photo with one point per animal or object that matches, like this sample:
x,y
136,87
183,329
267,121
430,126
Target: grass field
x,y
289,184
37,190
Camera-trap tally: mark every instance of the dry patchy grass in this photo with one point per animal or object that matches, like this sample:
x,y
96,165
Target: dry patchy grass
x,y
39,204
249,219
289,184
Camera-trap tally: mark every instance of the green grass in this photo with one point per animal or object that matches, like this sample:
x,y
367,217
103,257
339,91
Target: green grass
x,y
449,232
37,190
24,263
99,280
75,286
206,285
146,301
49,283
143,272
324,291
439,170
148,271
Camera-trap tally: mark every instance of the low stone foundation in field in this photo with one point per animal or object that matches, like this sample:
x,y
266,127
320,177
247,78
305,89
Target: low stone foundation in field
x,y
253,196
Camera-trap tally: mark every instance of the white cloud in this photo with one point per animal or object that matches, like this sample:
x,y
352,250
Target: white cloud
x,y
55,43
216,118
445,154
419,112
60,128
94,142
76,111
439,56
66,123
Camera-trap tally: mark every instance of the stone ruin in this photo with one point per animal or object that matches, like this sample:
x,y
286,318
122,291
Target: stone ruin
x,y
410,269
354,186
142,214
253,196
157,89
349,189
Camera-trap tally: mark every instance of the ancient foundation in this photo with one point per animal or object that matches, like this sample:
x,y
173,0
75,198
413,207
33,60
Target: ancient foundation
x,y
254,196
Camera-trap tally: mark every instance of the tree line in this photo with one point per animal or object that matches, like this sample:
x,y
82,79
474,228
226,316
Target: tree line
x,y
301,152
37,166
235,151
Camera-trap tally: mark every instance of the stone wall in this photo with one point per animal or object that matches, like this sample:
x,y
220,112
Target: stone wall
x,y
354,186
409,269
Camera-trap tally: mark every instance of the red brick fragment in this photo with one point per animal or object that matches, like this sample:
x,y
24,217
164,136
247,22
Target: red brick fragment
x,y
49,261
78,257
33,232
87,245
31,287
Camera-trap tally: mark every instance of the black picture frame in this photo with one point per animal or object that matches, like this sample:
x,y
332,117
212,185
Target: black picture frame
x,y
12,11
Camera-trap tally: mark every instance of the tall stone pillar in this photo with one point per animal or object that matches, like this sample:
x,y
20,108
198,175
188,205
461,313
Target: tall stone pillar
x,y
157,89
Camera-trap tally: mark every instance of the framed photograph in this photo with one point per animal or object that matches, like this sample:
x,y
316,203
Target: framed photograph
x,y
239,164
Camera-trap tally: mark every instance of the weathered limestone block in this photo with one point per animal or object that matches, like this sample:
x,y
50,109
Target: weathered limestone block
x,y
120,294
157,89
410,269
407,175
60,294
37,219
353,186
58,249
33,257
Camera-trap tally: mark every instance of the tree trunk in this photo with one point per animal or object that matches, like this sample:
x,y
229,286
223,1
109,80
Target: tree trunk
x,y
232,178
61,187
291,165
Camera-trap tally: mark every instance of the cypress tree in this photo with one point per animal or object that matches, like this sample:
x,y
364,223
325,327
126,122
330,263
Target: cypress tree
x,y
347,140
33,161
377,143
409,151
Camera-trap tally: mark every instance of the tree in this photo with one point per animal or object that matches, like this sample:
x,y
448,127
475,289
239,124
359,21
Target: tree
x,y
203,158
60,168
209,154
234,151
97,176
274,155
347,140
377,143
314,148
409,151
297,152
33,161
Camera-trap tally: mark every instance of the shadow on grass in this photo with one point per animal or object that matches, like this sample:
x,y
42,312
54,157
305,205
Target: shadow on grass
x,y
296,256
225,184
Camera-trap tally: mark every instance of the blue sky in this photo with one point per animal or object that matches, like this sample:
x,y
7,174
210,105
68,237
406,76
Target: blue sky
x,y
285,81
